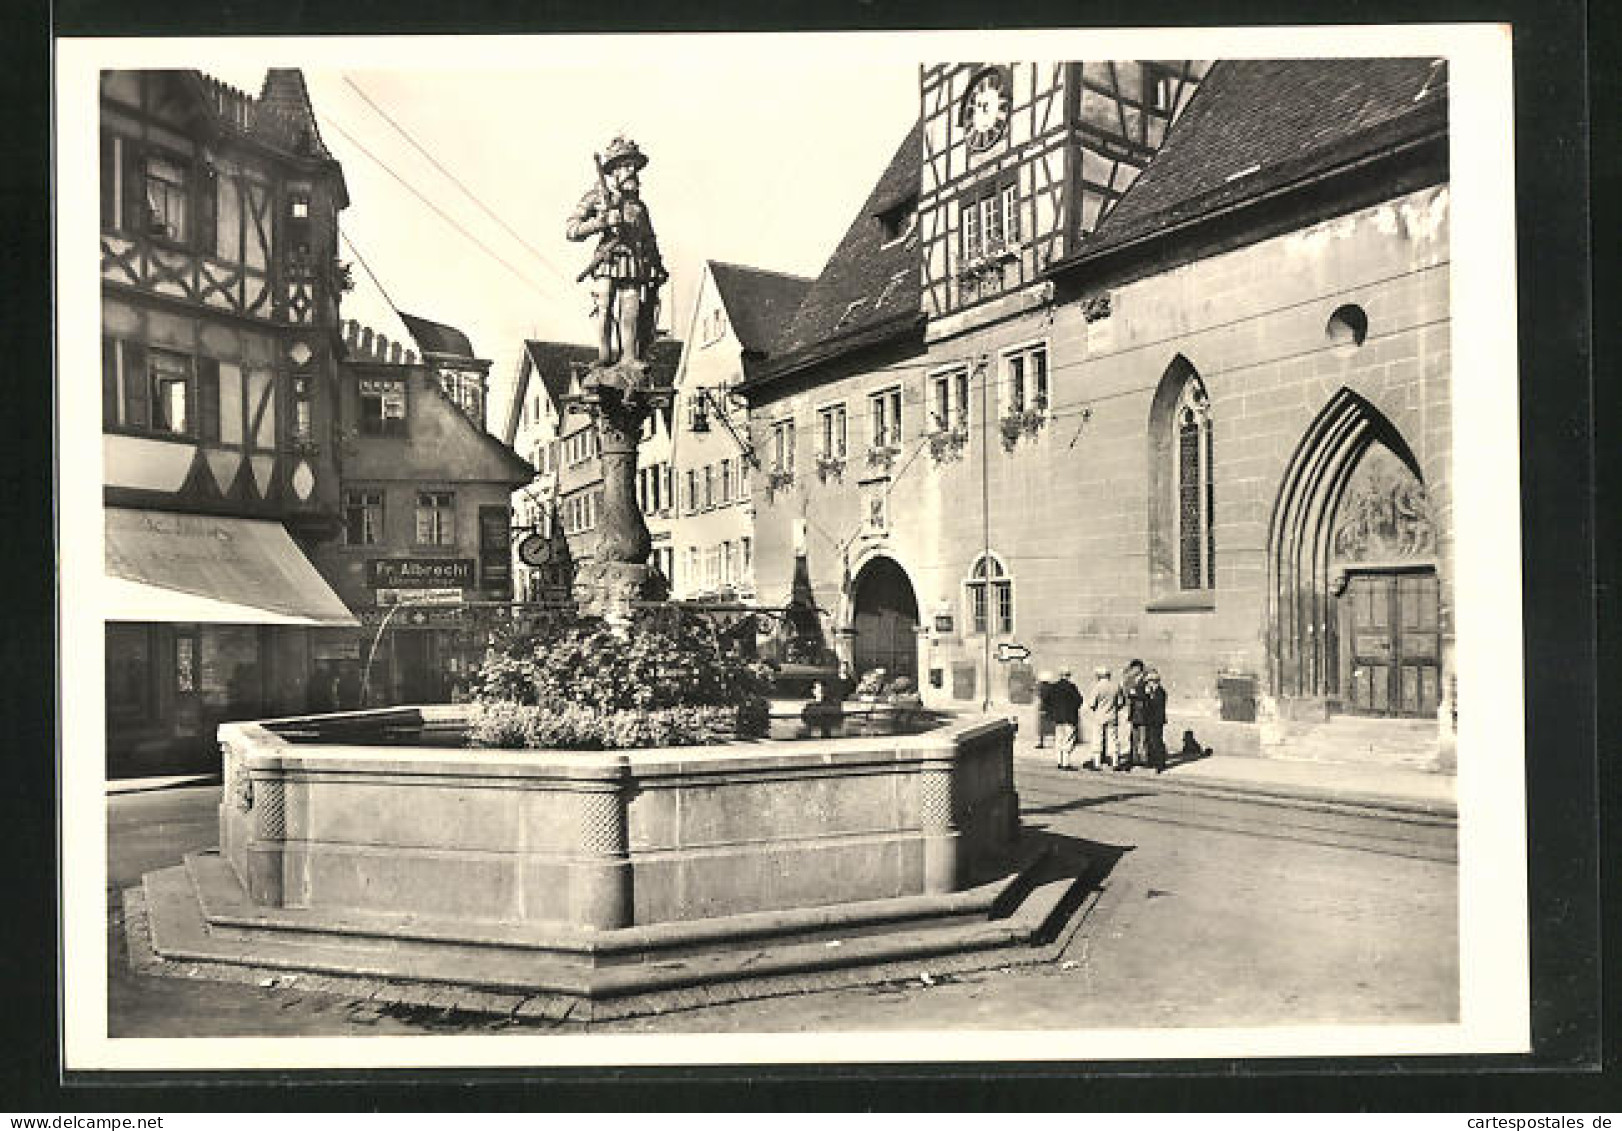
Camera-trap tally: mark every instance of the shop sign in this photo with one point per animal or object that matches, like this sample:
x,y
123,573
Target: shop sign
x,y
419,596
419,573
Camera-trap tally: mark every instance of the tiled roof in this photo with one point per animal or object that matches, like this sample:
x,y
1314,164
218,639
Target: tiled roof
x,y
1257,125
288,99
869,289
436,338
760,304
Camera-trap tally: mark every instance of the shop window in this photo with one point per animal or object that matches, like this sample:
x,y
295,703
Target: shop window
x,y
884,418
382,408
989,594
1025,379
363,518
831,432
129,686
436,518
186,660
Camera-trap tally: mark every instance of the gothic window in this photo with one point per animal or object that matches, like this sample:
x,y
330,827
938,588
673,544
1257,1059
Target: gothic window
x,y
989,593
1182,489
1196,546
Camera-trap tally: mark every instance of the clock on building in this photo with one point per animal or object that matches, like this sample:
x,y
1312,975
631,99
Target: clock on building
x,y
985,109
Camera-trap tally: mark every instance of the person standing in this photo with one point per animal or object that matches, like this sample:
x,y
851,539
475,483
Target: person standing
x,y
1154,720
1132,697
1064,701
1103,702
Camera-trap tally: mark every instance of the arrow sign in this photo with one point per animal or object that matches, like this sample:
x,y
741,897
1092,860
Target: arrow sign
x,y
1009,652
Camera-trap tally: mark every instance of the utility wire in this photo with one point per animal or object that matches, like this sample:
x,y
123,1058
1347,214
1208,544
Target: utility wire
x,y
438,211
378,283
452,177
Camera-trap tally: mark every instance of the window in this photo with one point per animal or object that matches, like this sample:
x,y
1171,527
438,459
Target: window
x,y
950,400
990,594
363,518
382,407
726,481
898,220
185,663
746,560
1195,493
1182,492
831,432
884,418
436,518
709,486
726,563
783,447
167,211
170,377
989,220
692,489
1025,379
1162,90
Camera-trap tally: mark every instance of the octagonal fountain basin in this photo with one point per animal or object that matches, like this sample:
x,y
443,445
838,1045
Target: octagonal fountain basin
x,y
345,849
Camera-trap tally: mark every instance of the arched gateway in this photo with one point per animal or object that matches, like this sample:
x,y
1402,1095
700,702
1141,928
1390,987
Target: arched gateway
x,y
1354,603
885,619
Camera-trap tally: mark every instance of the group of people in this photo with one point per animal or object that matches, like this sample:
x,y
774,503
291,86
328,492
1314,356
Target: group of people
x,y
1139,695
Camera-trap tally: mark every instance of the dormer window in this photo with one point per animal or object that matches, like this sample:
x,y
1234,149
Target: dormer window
x,y
897,221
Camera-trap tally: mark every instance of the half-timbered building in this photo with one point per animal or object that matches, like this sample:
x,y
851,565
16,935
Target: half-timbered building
x,y
220,288
1143,359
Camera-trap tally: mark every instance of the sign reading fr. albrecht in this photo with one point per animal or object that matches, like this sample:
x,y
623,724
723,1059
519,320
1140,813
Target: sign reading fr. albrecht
x,y
419,573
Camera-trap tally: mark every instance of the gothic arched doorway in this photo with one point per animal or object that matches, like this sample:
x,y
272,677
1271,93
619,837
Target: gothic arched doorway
x,y
885,618
1354,602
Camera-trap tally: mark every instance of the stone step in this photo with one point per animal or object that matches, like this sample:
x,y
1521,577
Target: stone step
x,y
179,932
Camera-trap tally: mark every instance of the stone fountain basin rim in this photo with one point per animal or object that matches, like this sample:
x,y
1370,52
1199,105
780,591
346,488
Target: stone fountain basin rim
x,y
264,749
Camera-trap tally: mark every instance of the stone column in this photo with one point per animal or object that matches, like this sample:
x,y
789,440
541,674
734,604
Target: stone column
x,y
618,574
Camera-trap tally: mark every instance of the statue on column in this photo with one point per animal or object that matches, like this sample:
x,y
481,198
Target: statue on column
x,y
626,271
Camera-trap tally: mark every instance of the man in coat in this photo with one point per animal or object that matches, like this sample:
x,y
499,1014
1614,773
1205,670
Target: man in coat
x,y
1154,720
1064,701
1103,703
1132,695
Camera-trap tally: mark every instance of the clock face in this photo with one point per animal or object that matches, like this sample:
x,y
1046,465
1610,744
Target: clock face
x,y
985,110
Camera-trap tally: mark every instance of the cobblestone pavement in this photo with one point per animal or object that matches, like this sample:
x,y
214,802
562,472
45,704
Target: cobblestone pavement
x,y
1217,912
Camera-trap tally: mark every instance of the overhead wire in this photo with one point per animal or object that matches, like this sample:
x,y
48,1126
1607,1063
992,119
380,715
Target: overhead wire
x,y
457,181
517,272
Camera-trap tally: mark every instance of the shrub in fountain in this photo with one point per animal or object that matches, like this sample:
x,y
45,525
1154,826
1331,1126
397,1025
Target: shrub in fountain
x,y
664,680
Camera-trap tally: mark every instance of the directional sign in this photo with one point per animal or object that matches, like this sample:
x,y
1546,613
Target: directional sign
x,y
1008,653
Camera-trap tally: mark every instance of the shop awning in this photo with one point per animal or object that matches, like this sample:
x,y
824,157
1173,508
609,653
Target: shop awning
x,y
193,568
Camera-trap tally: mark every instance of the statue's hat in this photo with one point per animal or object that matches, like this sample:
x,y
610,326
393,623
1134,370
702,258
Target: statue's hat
x,y
623,151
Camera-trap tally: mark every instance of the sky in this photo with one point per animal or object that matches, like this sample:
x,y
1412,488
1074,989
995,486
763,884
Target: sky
x,y
756,160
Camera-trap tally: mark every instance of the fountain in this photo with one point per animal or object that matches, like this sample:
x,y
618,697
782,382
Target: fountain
x,y
378,843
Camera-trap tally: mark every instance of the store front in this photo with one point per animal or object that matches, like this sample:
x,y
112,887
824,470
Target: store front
x,y
209,619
